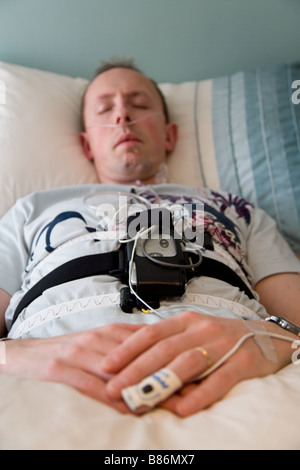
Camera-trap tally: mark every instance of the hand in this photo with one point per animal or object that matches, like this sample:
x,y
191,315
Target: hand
x,y
171,343
73,359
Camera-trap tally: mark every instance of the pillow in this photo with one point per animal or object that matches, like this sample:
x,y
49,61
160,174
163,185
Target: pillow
x,y
256,128
241,133
39,124
237,133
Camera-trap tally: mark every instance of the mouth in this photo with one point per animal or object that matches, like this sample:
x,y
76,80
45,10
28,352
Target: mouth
x,y
127,140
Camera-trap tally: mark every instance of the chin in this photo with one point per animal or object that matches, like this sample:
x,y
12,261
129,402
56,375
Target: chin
x,y
135,167
132,158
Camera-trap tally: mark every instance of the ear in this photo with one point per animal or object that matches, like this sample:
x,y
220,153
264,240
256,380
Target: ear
x,y
86,146
171,136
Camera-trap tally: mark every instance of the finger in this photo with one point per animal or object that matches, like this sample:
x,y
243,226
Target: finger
x,y
193,362
163,383
106,338
197,327
175,353
171,402
87,384
160,355
116,329
140,341
208,391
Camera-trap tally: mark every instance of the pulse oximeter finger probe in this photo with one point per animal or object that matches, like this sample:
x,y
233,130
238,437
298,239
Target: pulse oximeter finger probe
x,y
152,390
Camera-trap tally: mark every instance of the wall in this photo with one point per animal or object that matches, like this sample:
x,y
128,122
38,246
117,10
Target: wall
x,y
172,40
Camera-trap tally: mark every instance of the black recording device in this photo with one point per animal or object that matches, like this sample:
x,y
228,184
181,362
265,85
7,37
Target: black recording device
x,y
157,269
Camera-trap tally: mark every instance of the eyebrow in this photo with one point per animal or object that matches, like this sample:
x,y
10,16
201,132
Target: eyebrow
x,y
131,94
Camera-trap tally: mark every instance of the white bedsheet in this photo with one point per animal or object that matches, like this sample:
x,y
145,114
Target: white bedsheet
x,y
256,414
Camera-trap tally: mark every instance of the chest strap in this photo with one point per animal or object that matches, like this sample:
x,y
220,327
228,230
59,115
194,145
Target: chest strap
x,y
216,269
113,264
78,268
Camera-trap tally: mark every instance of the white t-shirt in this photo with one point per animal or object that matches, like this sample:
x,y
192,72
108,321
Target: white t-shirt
x,y
49,228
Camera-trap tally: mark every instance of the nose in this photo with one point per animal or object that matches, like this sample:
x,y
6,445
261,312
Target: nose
x,y
122,115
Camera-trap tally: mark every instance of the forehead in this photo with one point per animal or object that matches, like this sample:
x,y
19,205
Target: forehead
x,y
121,81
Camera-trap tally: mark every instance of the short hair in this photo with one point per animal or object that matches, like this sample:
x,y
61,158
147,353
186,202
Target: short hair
x,y
123,64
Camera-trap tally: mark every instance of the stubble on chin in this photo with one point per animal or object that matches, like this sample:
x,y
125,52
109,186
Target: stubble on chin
x,y
133,162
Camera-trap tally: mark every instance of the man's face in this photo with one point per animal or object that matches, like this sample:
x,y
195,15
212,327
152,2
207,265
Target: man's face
x,y
128,152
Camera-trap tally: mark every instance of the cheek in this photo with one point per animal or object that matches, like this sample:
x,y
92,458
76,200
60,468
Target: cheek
x,y
156,137
98,143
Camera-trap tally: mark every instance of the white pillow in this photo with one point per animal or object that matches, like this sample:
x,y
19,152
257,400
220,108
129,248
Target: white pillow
x,y
39,125
193,161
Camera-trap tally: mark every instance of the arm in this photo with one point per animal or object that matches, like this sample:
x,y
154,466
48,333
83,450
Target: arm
x,y
171,344
280,295
73,360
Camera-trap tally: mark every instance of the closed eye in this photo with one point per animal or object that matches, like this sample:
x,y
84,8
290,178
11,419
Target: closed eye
x,y
104,110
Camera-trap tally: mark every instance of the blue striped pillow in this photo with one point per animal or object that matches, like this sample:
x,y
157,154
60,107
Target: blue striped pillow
x,y
256,132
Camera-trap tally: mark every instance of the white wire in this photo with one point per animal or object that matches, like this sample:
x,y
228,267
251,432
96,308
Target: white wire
x,y
135,240
138,235
149,189
171,265
126,123
129,195
118,221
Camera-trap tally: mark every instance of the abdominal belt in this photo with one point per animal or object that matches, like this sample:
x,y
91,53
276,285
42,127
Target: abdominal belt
x,y
115,264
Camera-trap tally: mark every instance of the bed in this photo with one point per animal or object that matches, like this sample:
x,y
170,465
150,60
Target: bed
x,y
247,124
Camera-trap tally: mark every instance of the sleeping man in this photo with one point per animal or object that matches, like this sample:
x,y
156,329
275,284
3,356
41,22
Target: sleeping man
x,y
198,327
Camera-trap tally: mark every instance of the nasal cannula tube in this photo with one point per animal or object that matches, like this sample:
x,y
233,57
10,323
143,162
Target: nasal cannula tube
x,y
127,124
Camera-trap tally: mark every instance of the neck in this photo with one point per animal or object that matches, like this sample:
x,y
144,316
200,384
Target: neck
x,y
159,178
143,182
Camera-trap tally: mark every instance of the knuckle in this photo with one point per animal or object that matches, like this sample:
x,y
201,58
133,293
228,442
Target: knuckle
x,y
52,369
210,323
191,356
109,329
90,337
166,349
151,334
211,327
189,315
73,351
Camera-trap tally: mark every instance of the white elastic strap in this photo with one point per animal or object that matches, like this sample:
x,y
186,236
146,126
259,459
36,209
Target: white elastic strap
x,y
63,309
193,301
